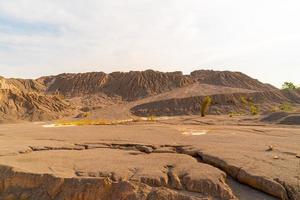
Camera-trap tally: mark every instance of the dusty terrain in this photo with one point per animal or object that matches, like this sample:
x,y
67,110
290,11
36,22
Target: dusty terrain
x,y
178,158
137,93
149,142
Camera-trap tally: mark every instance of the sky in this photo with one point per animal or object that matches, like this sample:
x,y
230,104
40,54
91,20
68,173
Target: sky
x,y
46,37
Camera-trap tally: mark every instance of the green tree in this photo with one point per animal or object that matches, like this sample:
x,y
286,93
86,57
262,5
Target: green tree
x,y
205,105
289,86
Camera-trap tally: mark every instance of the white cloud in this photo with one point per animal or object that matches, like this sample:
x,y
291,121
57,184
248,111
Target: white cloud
x,y
258,37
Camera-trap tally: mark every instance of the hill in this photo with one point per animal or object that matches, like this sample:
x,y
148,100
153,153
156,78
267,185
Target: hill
x,y
129,86
142,93
135,85
230,79
25,100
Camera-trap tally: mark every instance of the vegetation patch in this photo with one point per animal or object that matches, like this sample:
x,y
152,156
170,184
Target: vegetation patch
x,y
84,122
205,105
254,109
289,86
286,107
98,122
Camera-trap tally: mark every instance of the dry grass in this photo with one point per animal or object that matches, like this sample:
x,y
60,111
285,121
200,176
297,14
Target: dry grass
x,y
98,122
84,122
151,119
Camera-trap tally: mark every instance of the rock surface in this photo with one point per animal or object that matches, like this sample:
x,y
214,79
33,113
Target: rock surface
x,y
113,162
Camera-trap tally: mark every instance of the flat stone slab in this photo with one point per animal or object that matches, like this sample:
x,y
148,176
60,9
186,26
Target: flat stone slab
x,y
150,158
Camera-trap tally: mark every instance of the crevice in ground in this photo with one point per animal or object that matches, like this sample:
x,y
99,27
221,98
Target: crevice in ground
x,y
276,188
23,185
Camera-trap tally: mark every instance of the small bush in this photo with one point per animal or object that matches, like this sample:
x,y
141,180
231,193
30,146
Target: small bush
x,y
254,110
287,107
289,86
244,101
151,118
205,105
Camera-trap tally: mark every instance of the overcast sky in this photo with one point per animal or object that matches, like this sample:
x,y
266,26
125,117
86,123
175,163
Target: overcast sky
x,y
258,37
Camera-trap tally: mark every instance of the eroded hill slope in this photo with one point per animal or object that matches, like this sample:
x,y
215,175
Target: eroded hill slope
x,y
25,100
143,92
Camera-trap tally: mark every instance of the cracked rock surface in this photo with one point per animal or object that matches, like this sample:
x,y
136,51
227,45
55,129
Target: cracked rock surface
x,y
149,161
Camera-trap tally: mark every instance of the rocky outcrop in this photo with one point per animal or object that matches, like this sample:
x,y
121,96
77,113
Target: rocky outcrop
x,y
24,85
130,86
273,186
189,180
139,84
75,84
20,185
22,99
187,176
31,106
135,85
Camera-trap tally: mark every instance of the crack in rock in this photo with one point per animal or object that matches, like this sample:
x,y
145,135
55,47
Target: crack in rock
x,y
21,185
275,187
260,183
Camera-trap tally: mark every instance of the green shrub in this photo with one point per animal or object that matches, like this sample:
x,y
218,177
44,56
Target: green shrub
x,y
289,86
287,107
254,110
205,105
244,100
151,118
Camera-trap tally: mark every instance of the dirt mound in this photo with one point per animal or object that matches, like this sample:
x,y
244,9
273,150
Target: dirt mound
x,y
293,119
221,104
294,95
75,84
274,117
31,106
282,118
26,85
130,86
135,85
230,79
150,92
24,100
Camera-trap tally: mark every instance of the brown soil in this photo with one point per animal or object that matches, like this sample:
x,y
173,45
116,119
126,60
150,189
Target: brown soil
x,y
151,160
183,157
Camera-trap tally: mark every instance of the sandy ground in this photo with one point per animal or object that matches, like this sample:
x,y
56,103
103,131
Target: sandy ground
x,y
265,156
